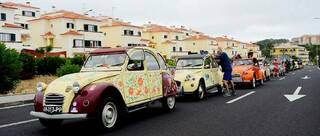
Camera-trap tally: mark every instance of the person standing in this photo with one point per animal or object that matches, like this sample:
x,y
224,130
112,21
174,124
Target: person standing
x,y
226,66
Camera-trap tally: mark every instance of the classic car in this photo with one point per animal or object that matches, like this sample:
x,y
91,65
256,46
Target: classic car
x,y
197,74
266,69
112,82
275,72
244,71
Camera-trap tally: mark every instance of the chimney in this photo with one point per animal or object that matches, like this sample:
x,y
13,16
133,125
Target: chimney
x,y
182,27
28,3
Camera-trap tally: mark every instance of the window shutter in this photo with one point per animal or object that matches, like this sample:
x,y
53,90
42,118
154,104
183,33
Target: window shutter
x,y
99,43
33,14
96,28
85,27
23,13
68,25
3,16
12,37
26,26
72,26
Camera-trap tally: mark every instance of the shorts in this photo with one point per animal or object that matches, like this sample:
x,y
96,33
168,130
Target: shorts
x,y
227,75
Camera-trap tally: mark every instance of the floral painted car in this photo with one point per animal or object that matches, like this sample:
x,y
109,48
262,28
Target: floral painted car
x,y
111,83
246,72
196,74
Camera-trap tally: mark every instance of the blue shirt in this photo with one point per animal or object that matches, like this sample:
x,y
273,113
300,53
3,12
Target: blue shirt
x,y
225,62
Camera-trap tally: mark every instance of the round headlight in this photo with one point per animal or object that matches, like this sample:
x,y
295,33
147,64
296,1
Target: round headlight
x,y
76,87
39,87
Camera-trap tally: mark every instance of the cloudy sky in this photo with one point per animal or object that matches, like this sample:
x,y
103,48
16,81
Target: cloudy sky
x,y
247,20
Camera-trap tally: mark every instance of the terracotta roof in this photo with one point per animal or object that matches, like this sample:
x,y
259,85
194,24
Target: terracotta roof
x,y
159,28
48,34
11,25
7,6
199,37
71,32
110,50
121,23
65,14
223,39
168,42
19,5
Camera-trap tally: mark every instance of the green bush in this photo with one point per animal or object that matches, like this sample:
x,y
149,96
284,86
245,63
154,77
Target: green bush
x,y
68,69
10,68
77,60
28,66
49,65
171,63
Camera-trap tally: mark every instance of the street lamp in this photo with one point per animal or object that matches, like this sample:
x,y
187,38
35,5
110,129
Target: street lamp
x,y
317,18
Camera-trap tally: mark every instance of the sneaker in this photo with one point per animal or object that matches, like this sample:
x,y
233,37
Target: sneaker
x,y
233,93
226,94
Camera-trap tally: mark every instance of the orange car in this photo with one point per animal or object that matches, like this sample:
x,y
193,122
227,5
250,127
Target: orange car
x,y
245,71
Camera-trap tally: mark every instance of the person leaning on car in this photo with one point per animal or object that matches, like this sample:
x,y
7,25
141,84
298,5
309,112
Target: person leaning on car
x,y
226,66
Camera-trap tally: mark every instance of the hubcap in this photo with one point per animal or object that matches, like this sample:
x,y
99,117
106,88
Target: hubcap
x,y
109,115
171,100
201,93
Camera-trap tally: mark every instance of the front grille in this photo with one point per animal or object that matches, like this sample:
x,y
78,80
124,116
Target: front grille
x,y
54,99
178,83
236,75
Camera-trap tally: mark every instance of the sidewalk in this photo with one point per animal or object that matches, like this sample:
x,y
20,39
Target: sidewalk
x,y
16,100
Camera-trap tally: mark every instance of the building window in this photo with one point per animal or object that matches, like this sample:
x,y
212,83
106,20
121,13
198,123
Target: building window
x,y
3,17
128,32
187,34
139,33
6,37
77,43
70,25
24,26
174,49
165,36
90,28
28,13
152,37
194,43
177,37
180,49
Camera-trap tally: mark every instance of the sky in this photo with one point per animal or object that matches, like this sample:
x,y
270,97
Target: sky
x,y
246,20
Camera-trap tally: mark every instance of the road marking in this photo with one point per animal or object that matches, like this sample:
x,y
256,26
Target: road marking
x,y
236,99
305,77
293,73
310,70
295,95
282,78
17,106
18,123
318,68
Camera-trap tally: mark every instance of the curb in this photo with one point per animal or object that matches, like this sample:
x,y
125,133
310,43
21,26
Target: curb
x,y
2,105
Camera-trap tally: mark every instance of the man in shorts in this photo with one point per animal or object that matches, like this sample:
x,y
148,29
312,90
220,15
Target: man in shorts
x,y
226,66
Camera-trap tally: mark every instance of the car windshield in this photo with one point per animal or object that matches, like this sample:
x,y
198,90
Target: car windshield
x,y
189,63
106,60
242,62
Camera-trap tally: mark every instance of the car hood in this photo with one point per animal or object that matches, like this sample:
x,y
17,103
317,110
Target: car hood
x,y
180,75
241,69
63,85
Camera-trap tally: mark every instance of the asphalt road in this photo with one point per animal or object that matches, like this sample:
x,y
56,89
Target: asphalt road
x,y
263,111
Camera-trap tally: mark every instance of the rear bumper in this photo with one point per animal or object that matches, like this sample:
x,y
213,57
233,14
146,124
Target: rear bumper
x,y
43,115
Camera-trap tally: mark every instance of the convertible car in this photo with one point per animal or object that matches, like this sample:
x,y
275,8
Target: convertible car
x,y
111,83
246,72
197,74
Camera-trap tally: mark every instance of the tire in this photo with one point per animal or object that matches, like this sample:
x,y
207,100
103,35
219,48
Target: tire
x,y
253,82
220,89
51,123
109,114
169,103
261,81
199,94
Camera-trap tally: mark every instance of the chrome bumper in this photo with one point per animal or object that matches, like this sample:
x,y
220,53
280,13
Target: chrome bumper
x,y
43,115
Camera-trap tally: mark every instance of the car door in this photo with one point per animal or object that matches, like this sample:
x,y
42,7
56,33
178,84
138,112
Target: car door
x,y
154,76
216,73
134,79
207,72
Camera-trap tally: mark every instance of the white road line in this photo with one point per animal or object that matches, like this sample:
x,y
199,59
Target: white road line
x,y
17,106
18,123
318,68
236,99
282,78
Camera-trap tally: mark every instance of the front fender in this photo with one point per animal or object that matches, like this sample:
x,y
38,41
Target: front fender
x,y
169,86
89,97
38,102
248,76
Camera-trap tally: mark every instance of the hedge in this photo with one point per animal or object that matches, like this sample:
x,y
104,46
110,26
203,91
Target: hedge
x,y
28,66
68,69
49,65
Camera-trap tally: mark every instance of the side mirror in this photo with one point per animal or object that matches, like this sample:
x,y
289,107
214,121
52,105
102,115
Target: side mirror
x,y
137,55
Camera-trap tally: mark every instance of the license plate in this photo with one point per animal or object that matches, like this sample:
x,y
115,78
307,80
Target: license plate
x,y
237,79
52,109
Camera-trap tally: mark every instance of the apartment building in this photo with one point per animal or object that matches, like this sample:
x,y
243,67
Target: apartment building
x,y
67,31
121,34
306,40
200,43
290,49
10,33
254,48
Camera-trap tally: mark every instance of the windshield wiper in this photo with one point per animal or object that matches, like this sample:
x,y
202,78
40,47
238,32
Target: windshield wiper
x,y
119,64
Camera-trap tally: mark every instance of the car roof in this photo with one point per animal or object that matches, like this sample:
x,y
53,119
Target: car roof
x,y
191,56
118,50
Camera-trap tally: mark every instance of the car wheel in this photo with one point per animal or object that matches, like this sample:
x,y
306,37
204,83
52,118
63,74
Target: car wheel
x,y
51,123
261,81
201,91
169,103
253,82
220,89
108,116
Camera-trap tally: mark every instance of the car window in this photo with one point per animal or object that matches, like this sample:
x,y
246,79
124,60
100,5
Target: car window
x,y
105,60
214,64
207,63
135,65
162,62
152,63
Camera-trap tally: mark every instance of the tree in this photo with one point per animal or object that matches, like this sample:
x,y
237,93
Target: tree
x,y
267,44
10,68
